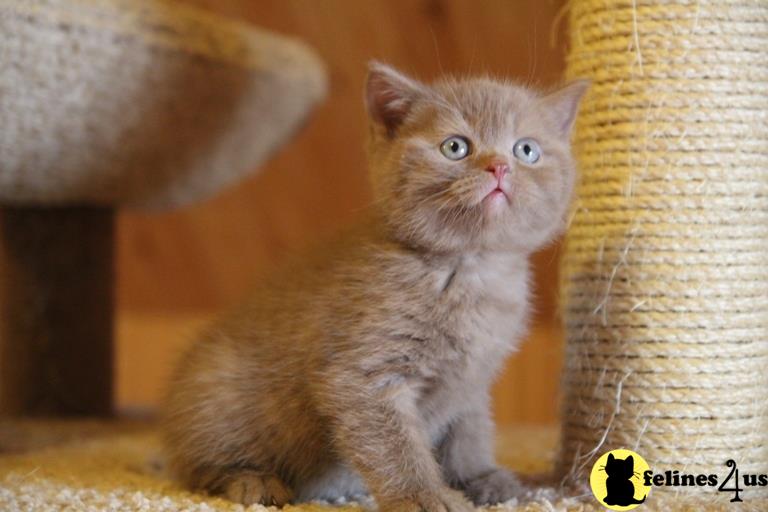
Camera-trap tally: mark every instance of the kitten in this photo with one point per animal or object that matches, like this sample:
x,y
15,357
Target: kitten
x,y
366,368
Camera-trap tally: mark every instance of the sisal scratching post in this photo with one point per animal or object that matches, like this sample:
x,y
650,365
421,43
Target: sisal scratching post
x,y
665,272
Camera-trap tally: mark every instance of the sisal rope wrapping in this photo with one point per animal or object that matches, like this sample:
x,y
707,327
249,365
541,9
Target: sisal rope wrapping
x,y
665,271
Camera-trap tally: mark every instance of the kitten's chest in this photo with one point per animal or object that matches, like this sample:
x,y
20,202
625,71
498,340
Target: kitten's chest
x,y
478,318
482,316
484,302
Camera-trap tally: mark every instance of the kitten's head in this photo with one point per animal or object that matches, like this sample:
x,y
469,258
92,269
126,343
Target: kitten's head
x,y
470,164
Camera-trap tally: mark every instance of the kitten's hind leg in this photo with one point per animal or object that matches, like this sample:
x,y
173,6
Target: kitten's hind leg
x,y
249,486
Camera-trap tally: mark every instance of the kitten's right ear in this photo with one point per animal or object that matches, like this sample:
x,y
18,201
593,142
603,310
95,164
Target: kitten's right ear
x,y
389,95
611,458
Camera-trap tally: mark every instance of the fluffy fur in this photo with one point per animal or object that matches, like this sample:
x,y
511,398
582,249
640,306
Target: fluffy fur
x,y
366,367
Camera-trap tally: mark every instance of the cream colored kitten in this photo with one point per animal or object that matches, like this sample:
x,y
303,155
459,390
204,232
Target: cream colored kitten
x,y
366,368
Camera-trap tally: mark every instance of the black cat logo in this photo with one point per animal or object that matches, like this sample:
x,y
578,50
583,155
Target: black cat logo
x,y
620,491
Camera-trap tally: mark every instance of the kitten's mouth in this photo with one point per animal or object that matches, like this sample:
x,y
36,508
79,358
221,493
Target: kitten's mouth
x,y
497,194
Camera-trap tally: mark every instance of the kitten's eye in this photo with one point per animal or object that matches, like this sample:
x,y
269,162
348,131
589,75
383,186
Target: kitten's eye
x,y
527,151
455,148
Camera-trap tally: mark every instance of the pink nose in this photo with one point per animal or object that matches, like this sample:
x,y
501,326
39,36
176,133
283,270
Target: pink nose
x,y
498,168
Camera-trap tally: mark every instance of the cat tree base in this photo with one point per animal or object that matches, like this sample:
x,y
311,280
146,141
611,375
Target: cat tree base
x,y
56,307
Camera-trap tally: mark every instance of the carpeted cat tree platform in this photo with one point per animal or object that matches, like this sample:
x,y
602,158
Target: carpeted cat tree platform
x,y
97,466
108,104
117,467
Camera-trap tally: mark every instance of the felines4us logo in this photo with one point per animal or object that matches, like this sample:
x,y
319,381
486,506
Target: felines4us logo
x,y
621,480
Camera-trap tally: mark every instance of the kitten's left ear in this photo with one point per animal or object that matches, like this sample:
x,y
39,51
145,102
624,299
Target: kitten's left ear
x,y
389,95
563,104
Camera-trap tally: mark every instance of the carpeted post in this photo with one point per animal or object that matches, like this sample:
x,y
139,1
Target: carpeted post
x,y
665,271
56,307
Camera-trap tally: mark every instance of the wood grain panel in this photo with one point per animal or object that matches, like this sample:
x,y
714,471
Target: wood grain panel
x,y
196,261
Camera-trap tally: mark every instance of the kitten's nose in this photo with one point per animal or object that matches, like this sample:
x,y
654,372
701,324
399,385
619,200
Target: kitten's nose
x,y
499,168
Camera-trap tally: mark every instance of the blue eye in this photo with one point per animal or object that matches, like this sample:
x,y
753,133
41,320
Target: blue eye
x,y
527,151
455,148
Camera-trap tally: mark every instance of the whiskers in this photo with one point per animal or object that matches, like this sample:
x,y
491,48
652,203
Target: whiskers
x,y
520,189
456,203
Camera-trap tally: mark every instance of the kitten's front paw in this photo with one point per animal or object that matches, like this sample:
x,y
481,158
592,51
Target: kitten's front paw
x,y
494,487
442,500
249,487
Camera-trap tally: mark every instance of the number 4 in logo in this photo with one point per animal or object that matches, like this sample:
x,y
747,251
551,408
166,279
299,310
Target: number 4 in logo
x,y
735,475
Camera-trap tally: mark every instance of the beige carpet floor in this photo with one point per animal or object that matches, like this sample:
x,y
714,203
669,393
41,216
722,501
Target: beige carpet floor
x,y
63,466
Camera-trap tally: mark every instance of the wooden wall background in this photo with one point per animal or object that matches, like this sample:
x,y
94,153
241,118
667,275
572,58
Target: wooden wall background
x,y
175,270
